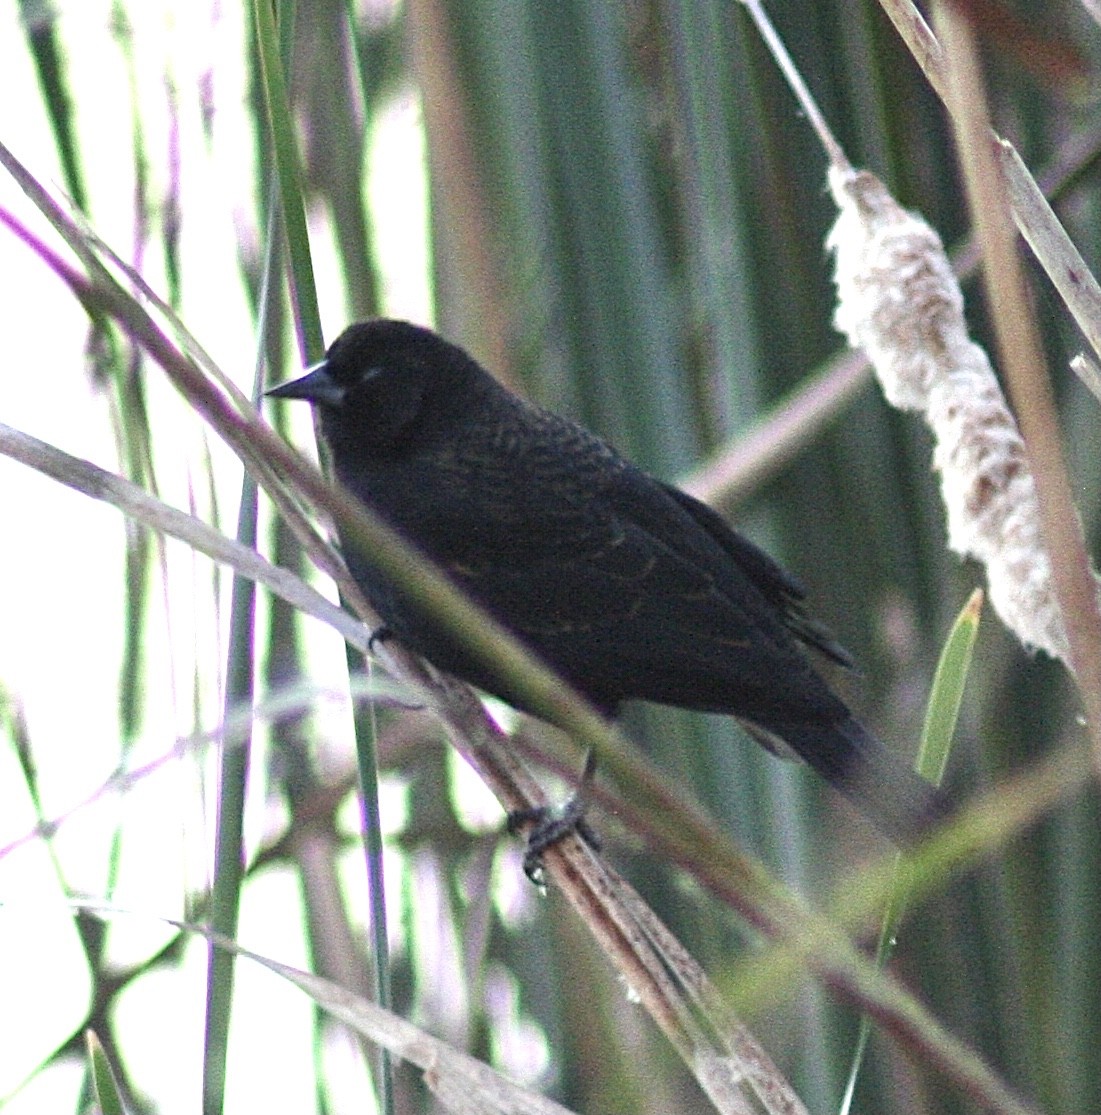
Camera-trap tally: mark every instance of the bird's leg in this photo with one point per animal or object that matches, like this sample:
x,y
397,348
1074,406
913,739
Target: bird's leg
x,y
551,824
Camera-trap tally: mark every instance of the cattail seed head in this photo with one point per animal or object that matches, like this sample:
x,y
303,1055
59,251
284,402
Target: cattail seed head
x,y
899,300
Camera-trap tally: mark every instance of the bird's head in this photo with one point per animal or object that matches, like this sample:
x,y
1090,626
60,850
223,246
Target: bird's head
x,y
379,382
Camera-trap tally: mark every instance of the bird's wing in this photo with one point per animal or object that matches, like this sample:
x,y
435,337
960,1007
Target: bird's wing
x,y
775,583
628,608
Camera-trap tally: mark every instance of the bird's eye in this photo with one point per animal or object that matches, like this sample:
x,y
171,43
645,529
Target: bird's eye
x,y
368,375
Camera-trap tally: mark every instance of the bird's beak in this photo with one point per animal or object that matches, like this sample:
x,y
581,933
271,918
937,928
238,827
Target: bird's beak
x,y
316,386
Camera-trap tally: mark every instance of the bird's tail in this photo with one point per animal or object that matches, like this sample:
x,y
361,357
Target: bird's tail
x,y
902,804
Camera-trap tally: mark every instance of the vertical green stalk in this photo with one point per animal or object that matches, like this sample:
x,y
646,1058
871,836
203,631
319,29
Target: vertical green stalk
x,y
281,122
941,715
311,344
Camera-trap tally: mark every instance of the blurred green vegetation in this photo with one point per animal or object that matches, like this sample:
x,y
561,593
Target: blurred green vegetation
x,y
627,222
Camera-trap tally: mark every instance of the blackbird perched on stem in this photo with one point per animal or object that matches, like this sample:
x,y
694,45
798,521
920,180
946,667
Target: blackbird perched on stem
x,y
625,586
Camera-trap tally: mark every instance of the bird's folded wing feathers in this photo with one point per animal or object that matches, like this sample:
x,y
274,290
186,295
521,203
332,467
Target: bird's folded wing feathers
x,y
679,620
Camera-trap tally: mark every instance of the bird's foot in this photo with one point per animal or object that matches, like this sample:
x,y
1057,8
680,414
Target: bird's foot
x,y
379,635
551,824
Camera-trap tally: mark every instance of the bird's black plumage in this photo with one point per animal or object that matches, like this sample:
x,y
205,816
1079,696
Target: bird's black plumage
x,y
626,587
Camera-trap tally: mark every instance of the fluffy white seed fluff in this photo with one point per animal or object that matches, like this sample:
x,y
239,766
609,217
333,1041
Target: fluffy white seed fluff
x,y
900,302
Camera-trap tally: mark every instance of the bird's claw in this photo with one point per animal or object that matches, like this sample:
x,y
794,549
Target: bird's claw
x,y
549,826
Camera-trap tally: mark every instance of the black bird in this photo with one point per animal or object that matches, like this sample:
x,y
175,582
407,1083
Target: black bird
x,y
625,586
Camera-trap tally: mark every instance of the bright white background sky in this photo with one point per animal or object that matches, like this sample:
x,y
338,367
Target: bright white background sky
x,y
61,597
